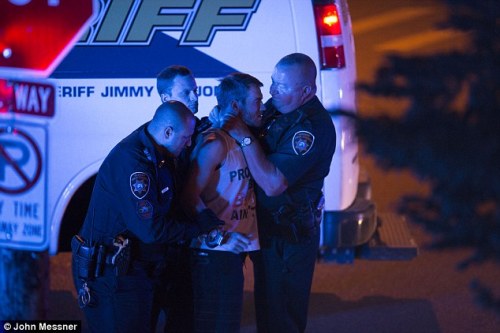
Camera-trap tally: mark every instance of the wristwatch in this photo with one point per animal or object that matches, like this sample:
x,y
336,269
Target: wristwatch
x,y
246,141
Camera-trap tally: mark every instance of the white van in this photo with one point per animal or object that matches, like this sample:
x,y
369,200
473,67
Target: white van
x,y
106,88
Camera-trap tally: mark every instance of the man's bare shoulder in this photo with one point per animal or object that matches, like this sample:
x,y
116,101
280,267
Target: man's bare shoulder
x,y
211,145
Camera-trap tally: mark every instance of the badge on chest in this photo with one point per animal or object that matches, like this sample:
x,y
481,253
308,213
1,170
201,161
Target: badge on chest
x,y
302,142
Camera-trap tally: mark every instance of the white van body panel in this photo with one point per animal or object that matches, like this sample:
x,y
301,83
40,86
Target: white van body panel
x,y
106,90
61,205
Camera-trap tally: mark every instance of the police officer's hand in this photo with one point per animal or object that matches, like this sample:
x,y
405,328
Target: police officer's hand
x,y
215,117
207,220
236,242
235,127
219,116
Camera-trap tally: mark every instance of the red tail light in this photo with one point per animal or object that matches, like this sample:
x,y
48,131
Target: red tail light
x,y
329,30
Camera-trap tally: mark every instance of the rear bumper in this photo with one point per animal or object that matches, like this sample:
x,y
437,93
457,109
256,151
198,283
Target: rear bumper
x,y
351,227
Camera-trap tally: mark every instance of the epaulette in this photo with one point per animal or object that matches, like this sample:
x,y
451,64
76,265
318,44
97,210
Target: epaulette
x,y
147,153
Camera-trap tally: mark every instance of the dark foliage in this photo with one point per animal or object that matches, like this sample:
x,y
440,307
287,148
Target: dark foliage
x,y
449,135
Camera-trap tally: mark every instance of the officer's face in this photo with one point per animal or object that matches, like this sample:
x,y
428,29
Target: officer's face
x,y
252,107
287,88
184,90
181,137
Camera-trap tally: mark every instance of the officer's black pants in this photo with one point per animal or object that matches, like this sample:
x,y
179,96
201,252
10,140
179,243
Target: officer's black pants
x,y
122,304
174,294
283,277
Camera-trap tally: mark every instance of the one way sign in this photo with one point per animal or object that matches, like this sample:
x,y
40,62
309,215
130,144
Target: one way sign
x,y
34,98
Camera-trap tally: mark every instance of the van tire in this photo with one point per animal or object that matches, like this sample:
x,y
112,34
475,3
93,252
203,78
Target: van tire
x,y
74,215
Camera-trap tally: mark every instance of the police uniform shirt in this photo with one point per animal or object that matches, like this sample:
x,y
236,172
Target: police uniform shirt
x,y
133,195
301,145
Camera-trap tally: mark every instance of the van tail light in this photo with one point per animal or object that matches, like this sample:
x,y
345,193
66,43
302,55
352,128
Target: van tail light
x,y
329,31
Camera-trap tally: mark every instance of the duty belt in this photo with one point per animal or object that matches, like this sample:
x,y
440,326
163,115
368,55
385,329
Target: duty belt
x,y
93,260
297,223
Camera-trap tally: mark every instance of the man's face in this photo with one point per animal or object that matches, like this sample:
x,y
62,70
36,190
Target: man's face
x,y
181,137
252,107
286,88
184,90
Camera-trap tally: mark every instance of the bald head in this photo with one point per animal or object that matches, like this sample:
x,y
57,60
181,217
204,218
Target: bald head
x,y
170,113
172,126
293,82
303,65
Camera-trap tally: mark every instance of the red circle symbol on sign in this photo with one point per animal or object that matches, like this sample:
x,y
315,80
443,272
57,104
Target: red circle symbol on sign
x,y
27,180
35,35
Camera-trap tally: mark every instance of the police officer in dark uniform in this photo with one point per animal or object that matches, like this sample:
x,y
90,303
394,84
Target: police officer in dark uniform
x,y
121,247
174,291
177,83
297,142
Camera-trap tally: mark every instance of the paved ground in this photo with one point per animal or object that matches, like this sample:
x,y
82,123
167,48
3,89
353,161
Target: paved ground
x,y
424,295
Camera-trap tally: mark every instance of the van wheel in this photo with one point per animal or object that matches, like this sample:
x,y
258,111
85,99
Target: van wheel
x,y
75,214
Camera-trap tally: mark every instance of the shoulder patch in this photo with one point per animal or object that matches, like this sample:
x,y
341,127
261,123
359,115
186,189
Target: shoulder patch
x,y
144,209
302,142
139,184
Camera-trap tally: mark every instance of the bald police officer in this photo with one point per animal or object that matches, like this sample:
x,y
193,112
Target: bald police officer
x,y
120,249
297,142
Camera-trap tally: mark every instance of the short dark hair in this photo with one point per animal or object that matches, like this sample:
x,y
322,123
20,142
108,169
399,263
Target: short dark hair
x,y
166,76
234,87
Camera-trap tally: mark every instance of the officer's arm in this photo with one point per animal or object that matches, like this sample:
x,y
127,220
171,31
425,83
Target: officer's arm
x,y
137,196
264,172
206,158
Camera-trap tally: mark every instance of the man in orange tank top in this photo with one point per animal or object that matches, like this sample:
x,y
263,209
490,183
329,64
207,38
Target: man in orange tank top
x,y
219,180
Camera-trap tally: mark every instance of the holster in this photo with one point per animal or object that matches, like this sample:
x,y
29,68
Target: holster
x,y
93,260
297,223
84,258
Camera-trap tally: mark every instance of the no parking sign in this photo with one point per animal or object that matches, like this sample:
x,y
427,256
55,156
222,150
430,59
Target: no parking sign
x,y
23,186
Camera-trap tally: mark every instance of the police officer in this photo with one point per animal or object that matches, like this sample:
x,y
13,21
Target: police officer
x,y
177,83
120,249
297,142
173,295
